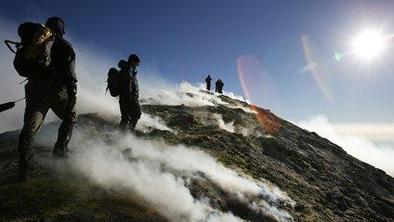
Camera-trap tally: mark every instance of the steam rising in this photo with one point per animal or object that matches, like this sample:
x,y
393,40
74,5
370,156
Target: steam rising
x,y
159,174
149,122
184,94
9,84
222,125
91,67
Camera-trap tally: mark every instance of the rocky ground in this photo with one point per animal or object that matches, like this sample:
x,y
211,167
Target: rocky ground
x,y
325,182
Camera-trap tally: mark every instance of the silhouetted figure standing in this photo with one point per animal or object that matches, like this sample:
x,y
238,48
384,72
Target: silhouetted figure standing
x,y
219,86
129,93
55,89
208,81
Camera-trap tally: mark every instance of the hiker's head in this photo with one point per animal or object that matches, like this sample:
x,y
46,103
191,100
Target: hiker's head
x,y
122,64
133,60
56,24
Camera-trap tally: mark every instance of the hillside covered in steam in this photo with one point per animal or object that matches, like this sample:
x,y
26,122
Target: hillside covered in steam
x,y
195,156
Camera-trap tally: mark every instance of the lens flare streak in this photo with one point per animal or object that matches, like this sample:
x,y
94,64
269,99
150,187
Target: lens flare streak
x,y
315,69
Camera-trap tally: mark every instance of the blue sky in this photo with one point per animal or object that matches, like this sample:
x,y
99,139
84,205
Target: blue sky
x,y
187,39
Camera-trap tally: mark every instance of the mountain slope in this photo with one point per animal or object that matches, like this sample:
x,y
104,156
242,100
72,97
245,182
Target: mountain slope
x,y
299,176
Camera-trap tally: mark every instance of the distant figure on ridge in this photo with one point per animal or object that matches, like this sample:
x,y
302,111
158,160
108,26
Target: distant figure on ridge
x,y
219,86
208,81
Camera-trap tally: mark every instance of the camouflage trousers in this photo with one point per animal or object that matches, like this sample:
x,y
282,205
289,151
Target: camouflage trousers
x,y
35,112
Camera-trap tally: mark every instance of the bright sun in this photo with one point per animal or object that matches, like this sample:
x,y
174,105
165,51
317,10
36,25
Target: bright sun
x,y
368,44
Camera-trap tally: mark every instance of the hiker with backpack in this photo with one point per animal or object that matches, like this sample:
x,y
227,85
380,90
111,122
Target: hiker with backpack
x,y
47,60
123,83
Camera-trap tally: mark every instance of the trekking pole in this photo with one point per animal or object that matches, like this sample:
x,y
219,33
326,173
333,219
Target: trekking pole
x,y
23,81
8,44
9,105
19,100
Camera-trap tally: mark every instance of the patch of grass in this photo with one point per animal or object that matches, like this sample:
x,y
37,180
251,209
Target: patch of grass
x,y
60,199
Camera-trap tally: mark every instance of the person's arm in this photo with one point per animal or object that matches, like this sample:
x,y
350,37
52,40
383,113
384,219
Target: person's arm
x,y
67,67
134,82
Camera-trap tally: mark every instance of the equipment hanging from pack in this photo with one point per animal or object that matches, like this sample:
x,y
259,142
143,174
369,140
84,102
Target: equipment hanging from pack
x,y
113,82
9,105
32,53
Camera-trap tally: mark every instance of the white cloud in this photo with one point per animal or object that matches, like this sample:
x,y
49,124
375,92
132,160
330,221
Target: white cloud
x,y
379,156
379,132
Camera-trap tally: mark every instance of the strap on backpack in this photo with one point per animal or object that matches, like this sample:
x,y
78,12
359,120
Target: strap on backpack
x,y
16,44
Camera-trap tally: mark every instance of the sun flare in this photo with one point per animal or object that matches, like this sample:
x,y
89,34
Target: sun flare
x,y
369,44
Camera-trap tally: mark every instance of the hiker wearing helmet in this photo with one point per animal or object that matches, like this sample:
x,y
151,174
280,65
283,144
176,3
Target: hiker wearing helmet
x,y
56,90
129,93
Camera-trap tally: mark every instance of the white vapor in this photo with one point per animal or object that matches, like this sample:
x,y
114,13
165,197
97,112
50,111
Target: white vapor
x,y
91,72
148,122
91,68
141,171
92,65
222,125
182,94
380,156
9,84
159,174
216,119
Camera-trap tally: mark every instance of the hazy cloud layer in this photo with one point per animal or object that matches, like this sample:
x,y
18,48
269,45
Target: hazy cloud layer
x,y
380,156
377,132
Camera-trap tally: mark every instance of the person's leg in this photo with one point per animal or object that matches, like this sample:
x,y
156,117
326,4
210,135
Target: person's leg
x,y
133,123
33,119
68,117
135,114
125,119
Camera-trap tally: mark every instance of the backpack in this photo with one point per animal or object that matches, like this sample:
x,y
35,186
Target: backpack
x,y
113,82
32,54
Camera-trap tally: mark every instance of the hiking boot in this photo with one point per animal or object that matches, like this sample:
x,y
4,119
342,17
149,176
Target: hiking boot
x,y
23,174
60,153
24,171
60,150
